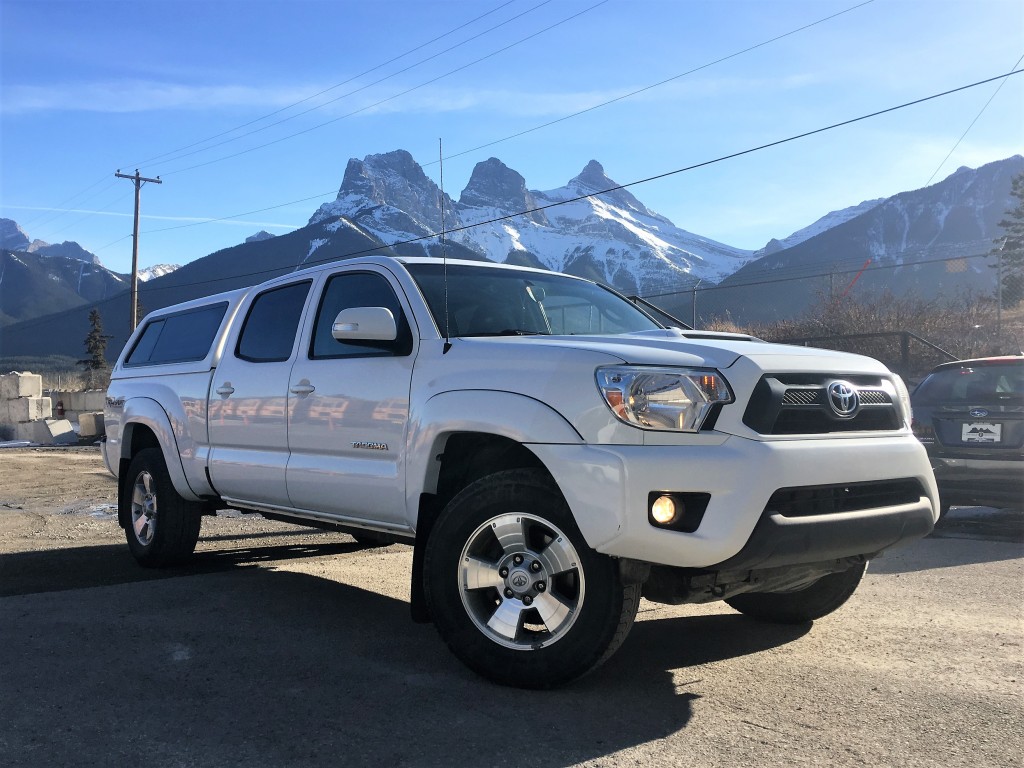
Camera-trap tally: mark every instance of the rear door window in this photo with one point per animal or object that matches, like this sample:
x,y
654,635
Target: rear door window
x,y
270,327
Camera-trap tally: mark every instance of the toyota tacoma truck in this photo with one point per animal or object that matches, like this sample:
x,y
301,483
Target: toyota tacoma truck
x,y
551,450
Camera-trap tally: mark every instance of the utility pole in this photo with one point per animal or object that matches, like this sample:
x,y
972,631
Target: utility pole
x,y
693,305
139,181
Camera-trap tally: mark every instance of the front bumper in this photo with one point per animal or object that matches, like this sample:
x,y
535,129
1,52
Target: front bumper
x,y
607,488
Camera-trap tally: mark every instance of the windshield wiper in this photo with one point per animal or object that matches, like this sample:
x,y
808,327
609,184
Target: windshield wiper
x,y
509,332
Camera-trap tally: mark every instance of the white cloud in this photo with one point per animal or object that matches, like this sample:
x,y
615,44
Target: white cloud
x,y
146,95
189,219
142,96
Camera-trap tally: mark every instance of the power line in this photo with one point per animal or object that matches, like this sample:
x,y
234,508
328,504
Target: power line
x,y
53,215
390,98
357,90
658,84
247,213
976,117
649,178
667,173
598,193
506,138
333,87
89,214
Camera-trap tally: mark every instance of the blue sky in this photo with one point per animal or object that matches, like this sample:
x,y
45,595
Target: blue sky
x,y
88,87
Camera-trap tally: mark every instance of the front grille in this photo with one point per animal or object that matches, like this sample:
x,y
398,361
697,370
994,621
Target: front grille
x,y
798,404
849,497
802,397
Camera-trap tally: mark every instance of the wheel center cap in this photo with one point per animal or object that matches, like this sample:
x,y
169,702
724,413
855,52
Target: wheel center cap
x,y
519,580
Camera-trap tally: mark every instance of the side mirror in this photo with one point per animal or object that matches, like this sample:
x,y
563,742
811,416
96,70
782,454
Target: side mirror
x,y
365,324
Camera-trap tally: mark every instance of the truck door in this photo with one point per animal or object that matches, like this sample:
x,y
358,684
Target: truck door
x,y
349,406
249,399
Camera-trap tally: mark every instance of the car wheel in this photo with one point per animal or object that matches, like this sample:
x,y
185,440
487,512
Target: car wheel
x,y
162,527
801,605
514,589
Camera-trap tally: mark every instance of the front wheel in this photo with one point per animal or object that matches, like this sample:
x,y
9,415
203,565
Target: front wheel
x,y
514,589
162,527
801,605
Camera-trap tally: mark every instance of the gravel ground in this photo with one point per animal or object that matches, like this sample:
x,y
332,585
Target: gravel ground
x,y
286,646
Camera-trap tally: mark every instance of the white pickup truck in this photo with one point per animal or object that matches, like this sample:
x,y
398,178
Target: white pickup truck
x,y
551,450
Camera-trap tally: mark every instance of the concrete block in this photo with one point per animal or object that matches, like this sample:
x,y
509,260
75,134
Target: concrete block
x,y
93,400
90,424
26,409
47,432
14,385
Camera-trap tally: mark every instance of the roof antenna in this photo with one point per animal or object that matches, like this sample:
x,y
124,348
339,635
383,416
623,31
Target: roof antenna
x,y
444,256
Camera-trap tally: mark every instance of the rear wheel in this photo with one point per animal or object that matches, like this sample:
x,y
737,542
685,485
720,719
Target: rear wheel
x,y
801,605
514,589
162,527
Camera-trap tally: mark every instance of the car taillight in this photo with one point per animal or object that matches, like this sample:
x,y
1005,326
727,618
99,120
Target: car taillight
x,y
923,432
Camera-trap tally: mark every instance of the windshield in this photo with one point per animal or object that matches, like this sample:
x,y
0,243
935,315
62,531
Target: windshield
x,y
505,302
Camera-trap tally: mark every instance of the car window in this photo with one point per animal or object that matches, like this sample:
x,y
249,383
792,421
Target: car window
x,y
357,289
268,334
972,385
478,301
179,338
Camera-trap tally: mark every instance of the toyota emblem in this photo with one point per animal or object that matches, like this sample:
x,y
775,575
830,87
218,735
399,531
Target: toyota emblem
x,y
843,398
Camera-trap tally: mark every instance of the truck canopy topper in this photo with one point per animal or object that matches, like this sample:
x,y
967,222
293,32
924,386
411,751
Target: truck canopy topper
x,y
565,456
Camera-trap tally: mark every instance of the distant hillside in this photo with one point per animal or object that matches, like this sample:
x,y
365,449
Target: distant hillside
x,y
33,284
929,242
236,267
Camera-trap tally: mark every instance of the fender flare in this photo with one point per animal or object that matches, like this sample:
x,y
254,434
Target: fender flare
x,y
143,411
504,414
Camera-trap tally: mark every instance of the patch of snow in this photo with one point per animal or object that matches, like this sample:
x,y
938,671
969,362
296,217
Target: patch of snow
x,y
157,270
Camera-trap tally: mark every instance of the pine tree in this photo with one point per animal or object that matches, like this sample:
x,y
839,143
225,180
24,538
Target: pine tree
x,y
95,347
1009,248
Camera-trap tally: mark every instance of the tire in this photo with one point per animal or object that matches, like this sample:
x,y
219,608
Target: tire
x,y
162,527
534,608
802,605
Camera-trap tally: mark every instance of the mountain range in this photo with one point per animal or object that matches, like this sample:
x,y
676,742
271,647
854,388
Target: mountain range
x,y
386,204
611,237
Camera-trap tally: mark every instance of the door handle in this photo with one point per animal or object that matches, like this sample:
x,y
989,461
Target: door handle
x,y
302,388
225,389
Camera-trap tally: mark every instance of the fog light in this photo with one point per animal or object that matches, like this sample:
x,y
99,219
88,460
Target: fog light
x,y
663,510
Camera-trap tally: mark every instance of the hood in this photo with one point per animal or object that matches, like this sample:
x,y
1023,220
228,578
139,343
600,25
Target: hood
x,y
672,347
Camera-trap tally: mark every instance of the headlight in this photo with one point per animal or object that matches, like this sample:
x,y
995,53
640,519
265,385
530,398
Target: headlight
x,y
676,399
904,396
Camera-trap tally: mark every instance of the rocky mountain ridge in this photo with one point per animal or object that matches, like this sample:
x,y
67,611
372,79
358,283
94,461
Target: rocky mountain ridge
x,y
612,236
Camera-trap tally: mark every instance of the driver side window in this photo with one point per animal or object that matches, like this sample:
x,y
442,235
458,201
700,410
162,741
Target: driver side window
x,y
357,289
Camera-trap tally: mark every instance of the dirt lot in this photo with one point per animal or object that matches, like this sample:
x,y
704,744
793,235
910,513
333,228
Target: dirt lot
x,y
283,646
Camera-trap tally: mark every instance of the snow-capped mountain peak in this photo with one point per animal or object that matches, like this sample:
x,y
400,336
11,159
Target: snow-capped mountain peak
x,y
157,270
826,222
612,237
